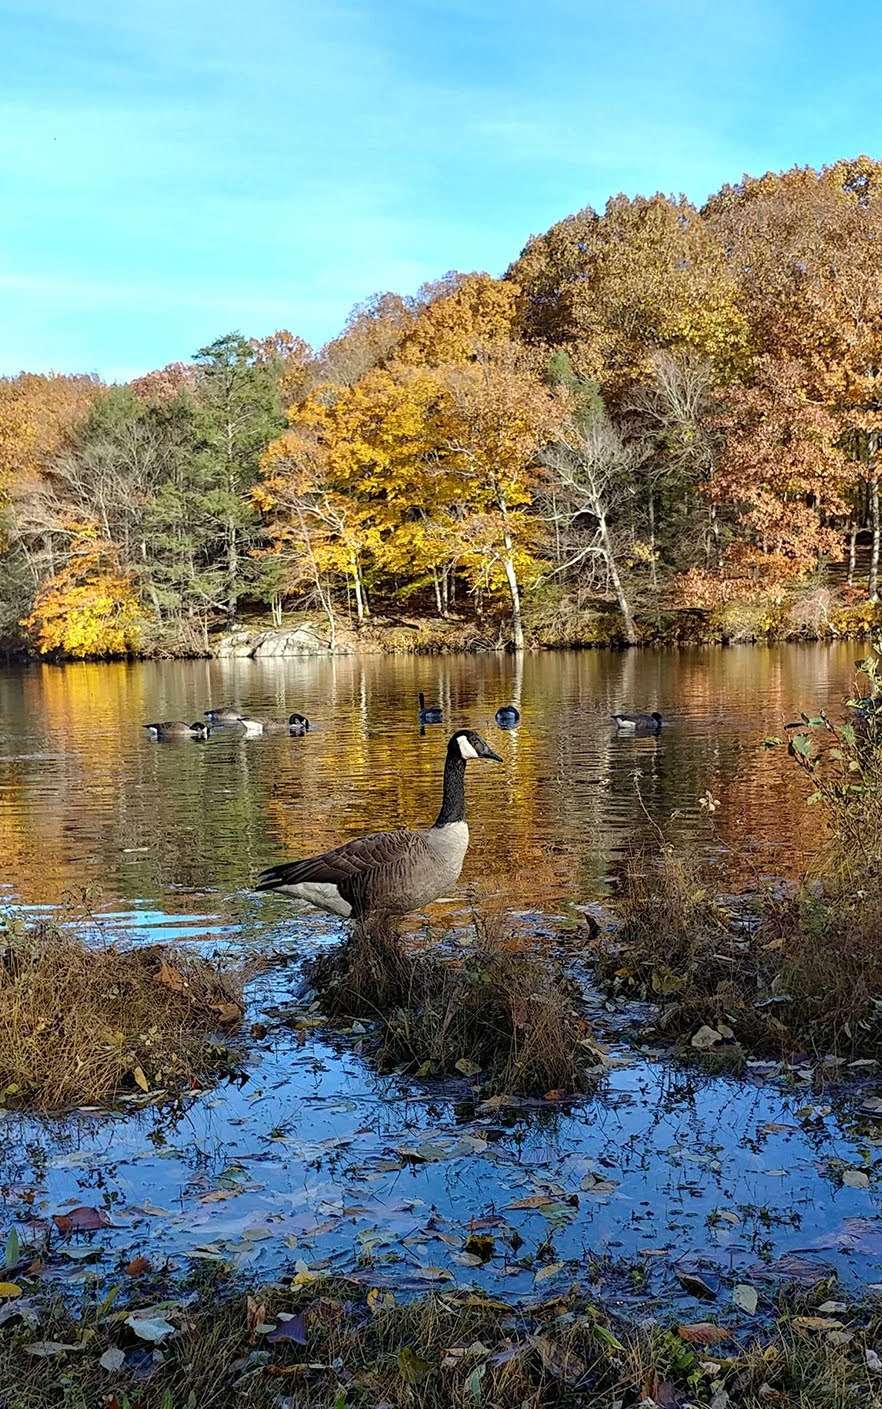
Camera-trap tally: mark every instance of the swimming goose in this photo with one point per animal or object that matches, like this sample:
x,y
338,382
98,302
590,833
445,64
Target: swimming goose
x,y
225,715
177,729
507,716
429,714
296,724
390,872
631,723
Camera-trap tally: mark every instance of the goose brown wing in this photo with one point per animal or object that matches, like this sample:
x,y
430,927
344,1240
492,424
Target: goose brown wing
x,y
345,864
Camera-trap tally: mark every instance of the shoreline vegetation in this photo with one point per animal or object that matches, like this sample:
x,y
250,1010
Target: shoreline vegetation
x,y
660,424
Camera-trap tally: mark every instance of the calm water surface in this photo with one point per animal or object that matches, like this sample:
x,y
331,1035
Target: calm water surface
x,y
87,799
315,1158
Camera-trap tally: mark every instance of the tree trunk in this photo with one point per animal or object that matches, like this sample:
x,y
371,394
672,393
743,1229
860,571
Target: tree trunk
x,y
436,582
653,574
616,581
356,587
852,551
877,535
276,609
511,577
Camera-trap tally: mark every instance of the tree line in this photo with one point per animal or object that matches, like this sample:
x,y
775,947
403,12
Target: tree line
x,y
656,406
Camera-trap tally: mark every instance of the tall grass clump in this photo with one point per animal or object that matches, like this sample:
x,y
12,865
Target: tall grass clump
x,y
82,1021
498,1012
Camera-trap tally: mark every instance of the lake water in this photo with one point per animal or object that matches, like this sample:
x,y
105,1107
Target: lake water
x,y
311,1158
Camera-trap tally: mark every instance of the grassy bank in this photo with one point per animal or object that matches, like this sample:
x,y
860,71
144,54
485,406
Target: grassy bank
x,y
783,969
334,1343
84,1022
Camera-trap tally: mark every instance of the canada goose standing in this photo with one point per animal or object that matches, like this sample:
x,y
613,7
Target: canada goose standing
x,y
632,723
429,714
507,716
390,872
177,729
224,715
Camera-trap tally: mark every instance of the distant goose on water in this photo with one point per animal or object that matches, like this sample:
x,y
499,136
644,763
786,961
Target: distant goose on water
x,y
390,872
296,724
177,729
224,715
429,714
632,723
507,716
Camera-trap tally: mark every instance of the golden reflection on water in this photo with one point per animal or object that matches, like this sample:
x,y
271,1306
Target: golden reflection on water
x,y
87,800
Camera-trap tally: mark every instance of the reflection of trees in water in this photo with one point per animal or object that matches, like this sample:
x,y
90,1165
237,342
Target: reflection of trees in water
x,y
166,822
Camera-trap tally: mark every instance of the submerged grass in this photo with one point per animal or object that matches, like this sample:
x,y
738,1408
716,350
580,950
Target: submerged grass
x,y
83,1021
333,1343
498,1012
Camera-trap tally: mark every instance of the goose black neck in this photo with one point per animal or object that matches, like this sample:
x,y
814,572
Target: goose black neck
x,y
453,799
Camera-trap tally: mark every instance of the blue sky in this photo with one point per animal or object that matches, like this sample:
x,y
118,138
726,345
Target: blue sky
x,y
172,170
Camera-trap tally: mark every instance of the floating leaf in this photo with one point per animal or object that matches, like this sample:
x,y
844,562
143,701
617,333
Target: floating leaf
x,y
138,1266
855,1179
696,1286
550,1271
745,1296
81,1220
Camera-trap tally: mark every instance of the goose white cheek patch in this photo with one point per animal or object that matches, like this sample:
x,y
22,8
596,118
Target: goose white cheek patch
x,y
466,749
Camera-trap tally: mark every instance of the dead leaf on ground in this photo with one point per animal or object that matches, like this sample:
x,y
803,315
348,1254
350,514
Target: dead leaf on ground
x,y
138,1266
816,1323
228,1012
563,1364
292,1328
702,1333
171,977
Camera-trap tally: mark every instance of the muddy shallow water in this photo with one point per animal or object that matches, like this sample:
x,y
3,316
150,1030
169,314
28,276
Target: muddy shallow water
x,y
313,1160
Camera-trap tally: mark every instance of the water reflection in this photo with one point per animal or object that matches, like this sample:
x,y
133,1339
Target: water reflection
x,y
88,800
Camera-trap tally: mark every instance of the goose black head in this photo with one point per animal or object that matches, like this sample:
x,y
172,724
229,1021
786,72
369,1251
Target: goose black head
x,y
300,720
467,744
200,729
658,719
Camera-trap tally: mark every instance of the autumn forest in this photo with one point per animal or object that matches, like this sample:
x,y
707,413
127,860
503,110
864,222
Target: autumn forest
x,y
659,419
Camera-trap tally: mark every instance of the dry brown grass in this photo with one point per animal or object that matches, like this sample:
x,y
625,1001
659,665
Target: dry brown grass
x,y
502,1011
800,972
82,1022
448,1351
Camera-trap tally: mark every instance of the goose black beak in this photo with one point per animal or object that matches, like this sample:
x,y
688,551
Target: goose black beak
x,y
491,754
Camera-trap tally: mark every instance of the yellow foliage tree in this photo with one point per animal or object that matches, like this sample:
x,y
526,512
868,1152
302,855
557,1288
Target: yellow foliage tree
x,y
89,608
476,315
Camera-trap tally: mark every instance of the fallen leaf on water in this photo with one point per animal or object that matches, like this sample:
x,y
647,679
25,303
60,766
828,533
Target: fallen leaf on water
x,y
293,1328
556,1095
745,1296
550,1271
696,1286
702,1333
9,1289
112,1359
138,1266
150,1328
855,1179
531,1201
81,1220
